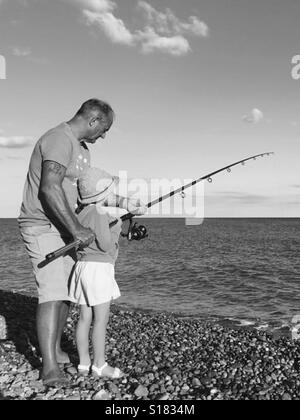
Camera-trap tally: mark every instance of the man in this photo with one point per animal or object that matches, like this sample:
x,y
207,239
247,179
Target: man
x,y
47,221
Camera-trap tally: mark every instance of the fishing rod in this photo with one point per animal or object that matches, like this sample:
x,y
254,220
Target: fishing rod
x,y
140,232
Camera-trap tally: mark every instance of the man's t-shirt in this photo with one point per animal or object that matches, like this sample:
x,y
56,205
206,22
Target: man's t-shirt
x,y
61,146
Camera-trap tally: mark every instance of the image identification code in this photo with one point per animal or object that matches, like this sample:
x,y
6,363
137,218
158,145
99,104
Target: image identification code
x,y
171,410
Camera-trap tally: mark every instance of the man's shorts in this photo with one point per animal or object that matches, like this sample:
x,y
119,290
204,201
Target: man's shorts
x,y
52,280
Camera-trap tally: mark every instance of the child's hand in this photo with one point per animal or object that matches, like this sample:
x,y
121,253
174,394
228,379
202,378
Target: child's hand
x,y
136,207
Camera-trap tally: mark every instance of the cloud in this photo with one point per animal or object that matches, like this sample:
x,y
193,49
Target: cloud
x,y
99,6
255,117
15,142
21,51
113,27
151,41
162,31
14,157
167,23
26,52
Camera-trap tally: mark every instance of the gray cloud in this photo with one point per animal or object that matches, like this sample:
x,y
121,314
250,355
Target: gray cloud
x,y
14,158
255,116
168,24
26,52
15,142
21,51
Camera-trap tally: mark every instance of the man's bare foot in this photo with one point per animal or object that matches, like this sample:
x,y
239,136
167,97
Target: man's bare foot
x,y
55,379
62,358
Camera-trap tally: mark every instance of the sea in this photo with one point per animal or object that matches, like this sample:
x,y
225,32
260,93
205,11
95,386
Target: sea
x,y
240,271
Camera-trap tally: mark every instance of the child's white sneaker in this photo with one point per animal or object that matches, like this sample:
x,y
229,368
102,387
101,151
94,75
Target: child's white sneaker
x,y
83,370
98,372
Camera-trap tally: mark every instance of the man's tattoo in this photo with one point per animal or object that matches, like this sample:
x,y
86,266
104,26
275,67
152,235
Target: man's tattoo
x,y
54,167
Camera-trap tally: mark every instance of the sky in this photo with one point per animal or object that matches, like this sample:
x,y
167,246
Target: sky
x,y
196,85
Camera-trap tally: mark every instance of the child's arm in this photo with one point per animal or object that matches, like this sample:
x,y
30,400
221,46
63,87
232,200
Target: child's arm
x,y
104,237
134,206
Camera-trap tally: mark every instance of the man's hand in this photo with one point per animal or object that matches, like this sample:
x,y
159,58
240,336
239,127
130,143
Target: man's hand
x,y
136,207
85,235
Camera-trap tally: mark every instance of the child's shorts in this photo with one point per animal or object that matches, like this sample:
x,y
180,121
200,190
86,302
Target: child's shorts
x,y
93,283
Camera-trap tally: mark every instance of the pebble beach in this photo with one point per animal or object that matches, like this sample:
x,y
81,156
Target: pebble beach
x,y
164,357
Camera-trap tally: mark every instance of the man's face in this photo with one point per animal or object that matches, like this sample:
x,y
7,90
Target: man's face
x,y
98,127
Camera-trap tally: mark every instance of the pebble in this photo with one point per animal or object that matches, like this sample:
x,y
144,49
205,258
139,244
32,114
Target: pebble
x,y
196,383
153,388
141,391
102,396
33,375
5,379
71,371
74,398
37,385
3,328
214,391
164,397
113,388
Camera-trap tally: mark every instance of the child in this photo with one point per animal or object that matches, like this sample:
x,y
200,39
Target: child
x,y
93,285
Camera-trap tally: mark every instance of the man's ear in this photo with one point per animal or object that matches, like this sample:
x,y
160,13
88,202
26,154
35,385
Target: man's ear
x,y
93,121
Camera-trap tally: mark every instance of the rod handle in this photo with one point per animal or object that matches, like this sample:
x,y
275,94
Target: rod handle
x,y
60,252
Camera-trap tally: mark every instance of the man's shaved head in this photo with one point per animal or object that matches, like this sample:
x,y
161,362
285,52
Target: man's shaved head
x,y
95,108
93,120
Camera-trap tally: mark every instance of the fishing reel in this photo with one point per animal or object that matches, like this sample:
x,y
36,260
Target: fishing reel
x,y
135,232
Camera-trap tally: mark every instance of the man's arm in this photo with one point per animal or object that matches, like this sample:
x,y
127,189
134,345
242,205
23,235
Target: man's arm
x,y
54,199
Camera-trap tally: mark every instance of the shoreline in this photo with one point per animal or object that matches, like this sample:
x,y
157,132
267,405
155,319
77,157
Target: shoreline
x,y
233,323
165,357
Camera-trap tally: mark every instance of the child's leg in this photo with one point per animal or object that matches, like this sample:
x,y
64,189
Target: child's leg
x,y
101,316
82,334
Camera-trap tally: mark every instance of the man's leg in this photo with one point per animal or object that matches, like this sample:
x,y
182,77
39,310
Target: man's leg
x,y
47,328
52,283
61,356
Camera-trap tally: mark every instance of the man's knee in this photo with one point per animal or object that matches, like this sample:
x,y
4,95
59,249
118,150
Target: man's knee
x,y
47,308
